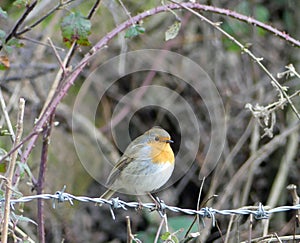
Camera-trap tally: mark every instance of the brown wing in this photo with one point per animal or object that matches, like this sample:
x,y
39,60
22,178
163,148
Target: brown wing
x,y
115,173
131,153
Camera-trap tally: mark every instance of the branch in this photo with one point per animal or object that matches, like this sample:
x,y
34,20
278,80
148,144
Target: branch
x,y
41,179
246,50
20,22
11,169
94,9
70,79
58,6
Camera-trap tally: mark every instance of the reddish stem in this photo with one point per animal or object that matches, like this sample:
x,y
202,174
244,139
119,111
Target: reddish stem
x,y
104,41
41,178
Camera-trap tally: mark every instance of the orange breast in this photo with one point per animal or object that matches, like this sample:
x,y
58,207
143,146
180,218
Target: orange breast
x,y
162,153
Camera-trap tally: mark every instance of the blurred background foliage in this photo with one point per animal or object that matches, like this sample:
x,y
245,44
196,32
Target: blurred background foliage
x,y
239,80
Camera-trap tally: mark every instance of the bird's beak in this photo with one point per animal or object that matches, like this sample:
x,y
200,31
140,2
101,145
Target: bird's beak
x,y
169,141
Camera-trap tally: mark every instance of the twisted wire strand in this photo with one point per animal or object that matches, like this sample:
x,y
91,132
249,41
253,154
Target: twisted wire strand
x,y
115,203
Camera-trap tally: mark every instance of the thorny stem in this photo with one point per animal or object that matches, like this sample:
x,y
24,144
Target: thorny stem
x,y
41,178
69,80
246,50
296,200
59,78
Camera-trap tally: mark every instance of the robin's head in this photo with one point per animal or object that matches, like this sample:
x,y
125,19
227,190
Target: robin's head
x,y
158,135
159,140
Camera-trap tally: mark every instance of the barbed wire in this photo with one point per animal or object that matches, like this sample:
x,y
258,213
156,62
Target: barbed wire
x,y
259,212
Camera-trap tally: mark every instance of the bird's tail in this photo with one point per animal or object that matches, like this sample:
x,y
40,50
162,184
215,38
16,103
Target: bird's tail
x,y
108,194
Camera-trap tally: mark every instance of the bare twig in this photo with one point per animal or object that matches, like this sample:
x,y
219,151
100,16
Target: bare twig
x,y
163,220
41,178
6,116
250,228
292,70
238,16
30,27
129,234
196,218
26,38
11,169
283,170
57,55
275,238
256,158
62,72
220,231
104,41
50,104
27,138
227,235
94,9
246,50
34,75
296,200
14,30
21,233
126,11
255,138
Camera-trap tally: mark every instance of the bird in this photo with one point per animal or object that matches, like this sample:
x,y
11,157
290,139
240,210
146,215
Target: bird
x,y
145,166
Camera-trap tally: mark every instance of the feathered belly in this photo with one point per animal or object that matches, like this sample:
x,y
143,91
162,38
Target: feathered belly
x,y
146,178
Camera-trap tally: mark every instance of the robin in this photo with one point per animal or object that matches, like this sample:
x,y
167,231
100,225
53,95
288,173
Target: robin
x,y
146,165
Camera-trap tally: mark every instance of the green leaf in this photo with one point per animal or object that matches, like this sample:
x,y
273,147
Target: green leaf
x,y
15,42
172,31
165,236
3,67
76,27
3,14
174,239
3,132
3,167
134,30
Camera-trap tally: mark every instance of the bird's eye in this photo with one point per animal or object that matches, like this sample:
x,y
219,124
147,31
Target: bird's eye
x,y
156,138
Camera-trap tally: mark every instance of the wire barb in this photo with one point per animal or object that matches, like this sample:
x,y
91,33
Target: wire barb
x,y
60,195
115,203
209,213
261,213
